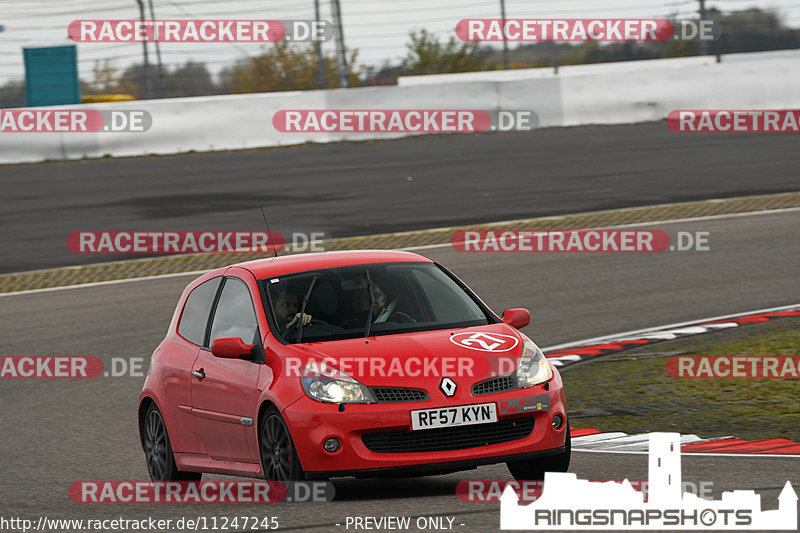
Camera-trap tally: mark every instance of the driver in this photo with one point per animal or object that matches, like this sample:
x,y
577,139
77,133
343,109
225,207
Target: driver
x,y
285,305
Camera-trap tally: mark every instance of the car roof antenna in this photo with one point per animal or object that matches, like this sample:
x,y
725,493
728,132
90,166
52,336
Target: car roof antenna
x,y
269,233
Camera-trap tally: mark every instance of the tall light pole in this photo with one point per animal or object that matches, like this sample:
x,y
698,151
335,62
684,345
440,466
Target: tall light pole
x,y
505,43
703,42
148,84
161,87
318,47
341,52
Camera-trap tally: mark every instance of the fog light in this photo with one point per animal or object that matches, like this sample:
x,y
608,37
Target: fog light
x,y
558,420
331,445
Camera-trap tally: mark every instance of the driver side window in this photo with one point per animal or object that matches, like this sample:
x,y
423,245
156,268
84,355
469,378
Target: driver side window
x,y
234,315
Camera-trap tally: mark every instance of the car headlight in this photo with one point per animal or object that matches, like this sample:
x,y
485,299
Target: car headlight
x,y
324,383
533,367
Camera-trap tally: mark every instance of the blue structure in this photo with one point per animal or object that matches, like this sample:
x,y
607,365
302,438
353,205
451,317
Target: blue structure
x,y
51,75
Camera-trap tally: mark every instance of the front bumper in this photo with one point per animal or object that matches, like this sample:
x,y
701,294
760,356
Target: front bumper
x,y
311,423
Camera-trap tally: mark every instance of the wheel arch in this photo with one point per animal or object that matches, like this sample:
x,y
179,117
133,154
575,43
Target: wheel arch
x,y
266,403
144,405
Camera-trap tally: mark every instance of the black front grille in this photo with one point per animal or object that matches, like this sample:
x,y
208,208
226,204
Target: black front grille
x,y
498,384
448,439
396,395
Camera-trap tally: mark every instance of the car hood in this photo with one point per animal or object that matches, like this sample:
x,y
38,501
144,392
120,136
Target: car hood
x,y
419,359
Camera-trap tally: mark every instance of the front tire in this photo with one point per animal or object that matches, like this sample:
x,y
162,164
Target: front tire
x,y
535,468
279,458
158,450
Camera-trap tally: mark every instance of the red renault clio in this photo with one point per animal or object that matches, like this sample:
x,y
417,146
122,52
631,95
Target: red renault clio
x,y
366,364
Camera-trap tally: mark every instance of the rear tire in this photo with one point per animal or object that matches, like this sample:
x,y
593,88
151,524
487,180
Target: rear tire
x,y
158,450
535,468
279,458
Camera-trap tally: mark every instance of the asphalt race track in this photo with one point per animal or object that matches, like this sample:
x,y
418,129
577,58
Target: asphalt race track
x,y
56,432
348,189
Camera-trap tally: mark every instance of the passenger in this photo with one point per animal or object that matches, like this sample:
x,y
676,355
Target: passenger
x,y
382,311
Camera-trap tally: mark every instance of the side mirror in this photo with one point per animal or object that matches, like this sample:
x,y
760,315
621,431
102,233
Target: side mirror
x,y
517,318
230,348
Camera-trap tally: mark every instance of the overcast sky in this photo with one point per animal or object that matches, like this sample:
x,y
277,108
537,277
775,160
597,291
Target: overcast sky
x,y
377,28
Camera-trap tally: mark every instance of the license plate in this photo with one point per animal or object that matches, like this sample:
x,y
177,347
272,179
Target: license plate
x,y
459,415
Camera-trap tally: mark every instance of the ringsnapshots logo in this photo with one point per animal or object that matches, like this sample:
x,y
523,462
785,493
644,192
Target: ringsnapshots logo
x,y
582,30
403,120
74,121
199,31
568,503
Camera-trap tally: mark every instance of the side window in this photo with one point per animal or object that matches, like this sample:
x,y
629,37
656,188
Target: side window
x,y
235,316
194,317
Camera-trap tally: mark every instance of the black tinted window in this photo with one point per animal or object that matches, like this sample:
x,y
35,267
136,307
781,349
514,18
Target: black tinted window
x,y
405,297
194,318
235,316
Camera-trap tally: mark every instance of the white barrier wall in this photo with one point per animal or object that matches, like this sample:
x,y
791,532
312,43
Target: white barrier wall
x,y
761,81
610,93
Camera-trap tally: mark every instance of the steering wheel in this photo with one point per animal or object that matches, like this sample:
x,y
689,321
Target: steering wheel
x,y
311,323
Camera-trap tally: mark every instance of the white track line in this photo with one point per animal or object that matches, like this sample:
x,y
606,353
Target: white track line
x,y
408,249
699,454
654,329
102,283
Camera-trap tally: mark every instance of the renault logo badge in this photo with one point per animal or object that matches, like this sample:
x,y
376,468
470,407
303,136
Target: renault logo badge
x,y
448,387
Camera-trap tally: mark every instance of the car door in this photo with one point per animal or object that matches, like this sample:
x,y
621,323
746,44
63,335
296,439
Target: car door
x,y
176,357
224,391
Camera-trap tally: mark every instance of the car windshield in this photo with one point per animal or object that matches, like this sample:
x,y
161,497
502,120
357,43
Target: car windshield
x,y
378,299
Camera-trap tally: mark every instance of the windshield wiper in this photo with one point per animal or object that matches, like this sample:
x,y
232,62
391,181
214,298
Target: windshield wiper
x,y
371,305
303,309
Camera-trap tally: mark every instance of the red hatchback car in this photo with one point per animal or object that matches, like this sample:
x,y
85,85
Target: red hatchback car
x,y
366,364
